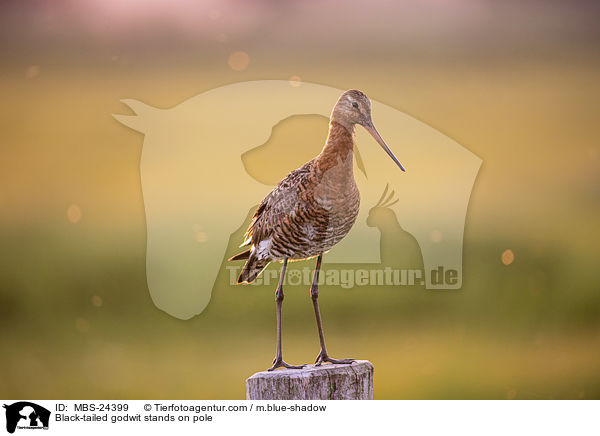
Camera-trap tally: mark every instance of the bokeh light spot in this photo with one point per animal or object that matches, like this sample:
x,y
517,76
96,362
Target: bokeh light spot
x,y
239,60
97,301
32,71
295,81
199,234
508,257
74,213
436,236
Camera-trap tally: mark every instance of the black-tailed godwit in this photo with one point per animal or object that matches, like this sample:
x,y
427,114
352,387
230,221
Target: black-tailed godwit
x,y
311,210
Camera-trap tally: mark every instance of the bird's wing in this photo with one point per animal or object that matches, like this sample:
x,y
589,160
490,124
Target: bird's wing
x,y
279,203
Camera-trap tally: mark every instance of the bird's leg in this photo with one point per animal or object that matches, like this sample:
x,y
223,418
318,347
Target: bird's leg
x,y
314,294
278,361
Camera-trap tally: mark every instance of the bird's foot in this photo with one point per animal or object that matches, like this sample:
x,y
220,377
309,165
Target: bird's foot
x,y
323,357
279,363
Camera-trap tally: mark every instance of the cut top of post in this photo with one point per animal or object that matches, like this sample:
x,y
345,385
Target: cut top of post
x,y
326,382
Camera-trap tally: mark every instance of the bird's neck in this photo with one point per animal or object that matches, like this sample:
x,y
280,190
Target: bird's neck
x,y
338,149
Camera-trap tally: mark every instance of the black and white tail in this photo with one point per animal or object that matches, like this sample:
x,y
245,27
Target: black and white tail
x,y
252,268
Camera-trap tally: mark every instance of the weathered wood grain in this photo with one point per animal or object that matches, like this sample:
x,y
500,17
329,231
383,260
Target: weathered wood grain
x,y
325,382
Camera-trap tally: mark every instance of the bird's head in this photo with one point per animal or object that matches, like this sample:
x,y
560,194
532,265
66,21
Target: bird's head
x,y
354,107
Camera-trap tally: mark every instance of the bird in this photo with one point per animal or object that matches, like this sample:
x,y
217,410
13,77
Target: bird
x,y
397,247
310,211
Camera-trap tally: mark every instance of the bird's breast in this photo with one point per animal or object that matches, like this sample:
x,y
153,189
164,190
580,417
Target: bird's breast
x,y
340,204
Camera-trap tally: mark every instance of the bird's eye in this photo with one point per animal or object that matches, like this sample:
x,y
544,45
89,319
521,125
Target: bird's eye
x,y
355,105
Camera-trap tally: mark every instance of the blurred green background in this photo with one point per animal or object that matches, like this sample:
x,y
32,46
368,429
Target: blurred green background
x,y
517,83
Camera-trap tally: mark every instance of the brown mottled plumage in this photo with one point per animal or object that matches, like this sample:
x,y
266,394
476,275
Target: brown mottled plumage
x,y
312,208
309,211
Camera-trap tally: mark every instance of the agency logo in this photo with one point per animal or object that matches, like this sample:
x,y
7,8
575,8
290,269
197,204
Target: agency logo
x,y
207,161
26,415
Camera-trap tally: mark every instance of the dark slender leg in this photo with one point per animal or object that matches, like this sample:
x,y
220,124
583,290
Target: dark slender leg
x,y
278,361
314,294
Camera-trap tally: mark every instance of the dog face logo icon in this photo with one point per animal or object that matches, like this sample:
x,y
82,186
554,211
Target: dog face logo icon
x,y
26,415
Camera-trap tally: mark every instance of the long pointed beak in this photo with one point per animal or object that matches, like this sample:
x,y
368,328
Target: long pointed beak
x,y
375,134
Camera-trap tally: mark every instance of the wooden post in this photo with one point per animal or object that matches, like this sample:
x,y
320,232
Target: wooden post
x,y
325,382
